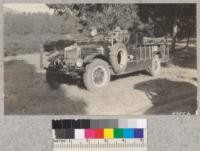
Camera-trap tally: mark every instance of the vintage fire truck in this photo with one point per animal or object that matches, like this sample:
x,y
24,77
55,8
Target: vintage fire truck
x,y
96,59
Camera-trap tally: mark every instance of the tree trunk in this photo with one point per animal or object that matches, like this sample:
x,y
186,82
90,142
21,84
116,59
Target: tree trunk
x,y
188,40
187,43
174,36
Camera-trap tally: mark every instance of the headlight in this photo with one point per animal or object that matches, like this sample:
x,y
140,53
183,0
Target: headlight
x,y
79,62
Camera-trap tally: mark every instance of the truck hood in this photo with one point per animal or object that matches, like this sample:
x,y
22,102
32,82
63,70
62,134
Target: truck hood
x,y
91,49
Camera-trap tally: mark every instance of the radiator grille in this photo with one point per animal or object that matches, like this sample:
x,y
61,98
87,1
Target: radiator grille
x,y
71,56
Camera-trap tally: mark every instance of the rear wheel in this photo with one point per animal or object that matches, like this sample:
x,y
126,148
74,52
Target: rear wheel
x,y
155,66
97,75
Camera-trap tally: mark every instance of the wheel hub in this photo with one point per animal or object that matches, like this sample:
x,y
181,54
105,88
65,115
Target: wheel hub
x,y
99,76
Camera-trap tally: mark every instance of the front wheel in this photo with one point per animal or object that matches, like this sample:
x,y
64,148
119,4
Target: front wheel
x,y
97,75
155,66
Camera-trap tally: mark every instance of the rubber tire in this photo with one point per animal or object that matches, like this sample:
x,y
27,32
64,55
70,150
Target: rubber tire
x,y
114,59
87,76
152,71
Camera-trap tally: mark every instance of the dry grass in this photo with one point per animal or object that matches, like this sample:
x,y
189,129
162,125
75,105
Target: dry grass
x,y
16,44
26,44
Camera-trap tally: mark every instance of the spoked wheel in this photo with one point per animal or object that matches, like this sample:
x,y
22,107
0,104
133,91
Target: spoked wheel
x,y
97,75
155,66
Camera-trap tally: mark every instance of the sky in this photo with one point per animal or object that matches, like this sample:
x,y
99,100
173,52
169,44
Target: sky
x,y
29,8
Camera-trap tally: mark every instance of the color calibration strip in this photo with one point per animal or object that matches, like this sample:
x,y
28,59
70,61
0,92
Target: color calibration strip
x,y
99,133
98,129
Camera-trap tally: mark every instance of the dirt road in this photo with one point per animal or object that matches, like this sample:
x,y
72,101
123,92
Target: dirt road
x,y
175,90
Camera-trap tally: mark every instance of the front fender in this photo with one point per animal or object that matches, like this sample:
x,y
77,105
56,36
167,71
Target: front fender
x,y
54,55
89,58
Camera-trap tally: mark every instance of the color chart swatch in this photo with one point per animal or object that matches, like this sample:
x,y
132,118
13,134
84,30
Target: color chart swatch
x,y
99,132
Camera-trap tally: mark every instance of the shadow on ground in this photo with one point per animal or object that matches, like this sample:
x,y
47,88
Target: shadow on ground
x,y
118,77
27,92
169,97
76,81
185,58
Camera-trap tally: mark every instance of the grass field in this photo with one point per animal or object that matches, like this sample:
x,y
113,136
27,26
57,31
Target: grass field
x,y
16,44
24,44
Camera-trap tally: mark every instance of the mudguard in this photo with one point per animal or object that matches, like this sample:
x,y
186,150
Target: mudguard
x,y
90,58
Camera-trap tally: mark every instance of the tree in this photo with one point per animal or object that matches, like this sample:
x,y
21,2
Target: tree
x,y
103,16
177,20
